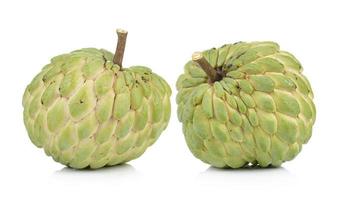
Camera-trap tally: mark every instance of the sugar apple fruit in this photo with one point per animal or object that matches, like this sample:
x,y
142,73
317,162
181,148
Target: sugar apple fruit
x,y
245,104
85,110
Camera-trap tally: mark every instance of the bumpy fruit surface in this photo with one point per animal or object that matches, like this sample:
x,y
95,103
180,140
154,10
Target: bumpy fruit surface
x,y
86,111
256,110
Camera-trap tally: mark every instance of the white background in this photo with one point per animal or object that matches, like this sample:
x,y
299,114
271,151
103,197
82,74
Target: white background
x,y
163,35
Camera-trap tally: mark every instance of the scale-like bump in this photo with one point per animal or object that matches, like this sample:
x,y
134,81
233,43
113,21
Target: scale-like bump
x,y
264,101
57,116
103,83
87,126
262,83
104,107
105,131
121,105
67,138
70,83
83,101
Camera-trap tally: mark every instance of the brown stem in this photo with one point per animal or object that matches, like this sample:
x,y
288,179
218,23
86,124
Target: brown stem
x,y
206,66
120,49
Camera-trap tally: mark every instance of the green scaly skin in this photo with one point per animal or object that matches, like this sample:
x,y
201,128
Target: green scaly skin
x,y
86,112
259,114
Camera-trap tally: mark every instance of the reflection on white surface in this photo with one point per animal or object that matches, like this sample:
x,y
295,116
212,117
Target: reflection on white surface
x,y
113,173
123,168
247,176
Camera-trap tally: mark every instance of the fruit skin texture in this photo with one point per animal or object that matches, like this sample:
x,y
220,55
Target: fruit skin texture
x,y
86,112
260,113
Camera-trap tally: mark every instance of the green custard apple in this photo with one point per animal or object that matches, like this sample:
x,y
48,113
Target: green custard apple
x,y
87,111
245,104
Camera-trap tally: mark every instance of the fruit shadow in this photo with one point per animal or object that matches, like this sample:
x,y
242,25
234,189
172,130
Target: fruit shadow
x,y
247,168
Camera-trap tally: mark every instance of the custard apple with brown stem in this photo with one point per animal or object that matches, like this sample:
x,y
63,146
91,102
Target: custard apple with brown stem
x,y
87,111
245,104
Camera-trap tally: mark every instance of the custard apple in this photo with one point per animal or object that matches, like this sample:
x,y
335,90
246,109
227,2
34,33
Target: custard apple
x,y
245,104
87,111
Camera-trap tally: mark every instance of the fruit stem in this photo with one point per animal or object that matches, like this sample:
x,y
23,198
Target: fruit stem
x,y
120,49
212,74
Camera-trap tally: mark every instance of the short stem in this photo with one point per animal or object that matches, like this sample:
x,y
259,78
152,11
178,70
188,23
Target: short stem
x,y
206,66
120,49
